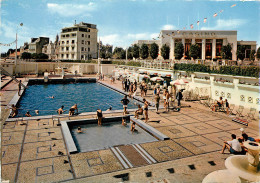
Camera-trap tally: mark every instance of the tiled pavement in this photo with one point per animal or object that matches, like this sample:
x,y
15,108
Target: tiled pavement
x,y
36,151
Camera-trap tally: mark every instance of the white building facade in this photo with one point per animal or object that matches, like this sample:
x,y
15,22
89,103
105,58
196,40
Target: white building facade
x,y
78,42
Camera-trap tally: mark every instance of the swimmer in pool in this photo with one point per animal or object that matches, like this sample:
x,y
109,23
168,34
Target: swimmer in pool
x,y
133,127
79,130
51,97
60,110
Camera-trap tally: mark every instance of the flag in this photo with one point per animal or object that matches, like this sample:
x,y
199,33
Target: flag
x,y
191,26
233,5
198,22
215,15
221,11
205,20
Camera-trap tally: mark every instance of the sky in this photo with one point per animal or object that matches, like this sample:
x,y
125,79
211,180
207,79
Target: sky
x,y
121,22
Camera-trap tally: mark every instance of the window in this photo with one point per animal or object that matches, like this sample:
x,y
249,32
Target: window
x,y
72,56
88,42
242,98
82,35
82,49
88,36
250,99
68,42
82,42
88,49
85,49
62,55
62,48
62,42
67,48
72,48
67,55
72,41
67,35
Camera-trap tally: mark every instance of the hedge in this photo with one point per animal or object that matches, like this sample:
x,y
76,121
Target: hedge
x,y
129,63
228,70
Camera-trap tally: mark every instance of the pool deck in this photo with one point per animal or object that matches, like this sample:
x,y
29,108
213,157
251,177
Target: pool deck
x,y
34,150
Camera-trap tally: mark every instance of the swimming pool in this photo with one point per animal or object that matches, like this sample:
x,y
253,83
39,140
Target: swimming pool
x,y
88,96
94,137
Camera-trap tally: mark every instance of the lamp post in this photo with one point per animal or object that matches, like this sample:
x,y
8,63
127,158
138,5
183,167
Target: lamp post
x,y
21,24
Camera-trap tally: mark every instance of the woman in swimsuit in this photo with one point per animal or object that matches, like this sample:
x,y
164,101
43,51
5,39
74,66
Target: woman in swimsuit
x,y
99,116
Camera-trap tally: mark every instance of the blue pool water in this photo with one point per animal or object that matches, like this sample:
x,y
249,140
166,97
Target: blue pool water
x,y
88,96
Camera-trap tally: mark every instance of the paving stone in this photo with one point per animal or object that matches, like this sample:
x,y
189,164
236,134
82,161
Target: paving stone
x,y
176,131
182,119
201,128
8,172
10,153
42,135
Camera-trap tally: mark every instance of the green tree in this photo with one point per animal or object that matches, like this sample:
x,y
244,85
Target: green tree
x,y
226,52
130,53
194,51
258,53
154,49
252,55
26,55
118,52
136,51
241,52
35,56
42,56
178,50
165,51
144,51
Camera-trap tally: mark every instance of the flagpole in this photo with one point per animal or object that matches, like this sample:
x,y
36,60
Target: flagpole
x,y
198,20
178,22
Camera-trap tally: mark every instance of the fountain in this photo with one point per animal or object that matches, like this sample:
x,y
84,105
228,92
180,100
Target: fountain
x,y
245,167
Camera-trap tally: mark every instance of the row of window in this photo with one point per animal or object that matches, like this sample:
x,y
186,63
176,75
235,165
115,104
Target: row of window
x,y
73,42
242,97
74,35
73,48
64,56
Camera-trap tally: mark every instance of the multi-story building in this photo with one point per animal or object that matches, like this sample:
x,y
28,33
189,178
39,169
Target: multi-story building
x,y
49,49
210,42
78,42
36,44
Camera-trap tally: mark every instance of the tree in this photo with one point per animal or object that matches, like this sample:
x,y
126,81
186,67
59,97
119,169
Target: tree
x,y
165,51
178,50
252,55
144,51
226,52
130,53
42,56
26,55
194,51
154,49
241,52
136,51
35,56
119,53
258,53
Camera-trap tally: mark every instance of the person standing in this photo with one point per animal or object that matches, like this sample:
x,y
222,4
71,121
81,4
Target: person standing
x,y
125,101
179,97
126,82
157,102
146,104
19,87
99,117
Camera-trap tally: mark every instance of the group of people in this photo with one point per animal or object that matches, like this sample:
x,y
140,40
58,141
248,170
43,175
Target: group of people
x,y
219,104
101,77
235,145
71,111
129,86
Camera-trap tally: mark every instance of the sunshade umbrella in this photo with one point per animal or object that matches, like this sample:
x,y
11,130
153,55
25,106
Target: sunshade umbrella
x,y
179,82
157,79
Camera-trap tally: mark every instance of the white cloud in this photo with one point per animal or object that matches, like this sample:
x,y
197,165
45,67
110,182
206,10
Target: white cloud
x,y
169,27
222,24
126,40
67,10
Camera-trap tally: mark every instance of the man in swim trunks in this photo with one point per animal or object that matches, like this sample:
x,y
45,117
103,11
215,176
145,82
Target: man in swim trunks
x,y
60,110
72,110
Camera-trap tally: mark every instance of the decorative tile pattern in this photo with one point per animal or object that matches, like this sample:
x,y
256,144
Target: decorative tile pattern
x,y
242,98
222,94
250,99
228,95
257,101
44,170
216,93
43,149
165,149
95,161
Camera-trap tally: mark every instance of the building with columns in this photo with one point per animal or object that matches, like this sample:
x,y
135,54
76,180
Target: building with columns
x,y
210,42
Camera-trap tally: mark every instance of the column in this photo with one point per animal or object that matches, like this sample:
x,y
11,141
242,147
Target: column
x,y
203,50
193,41
234,51
214,48
172,48
183,42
